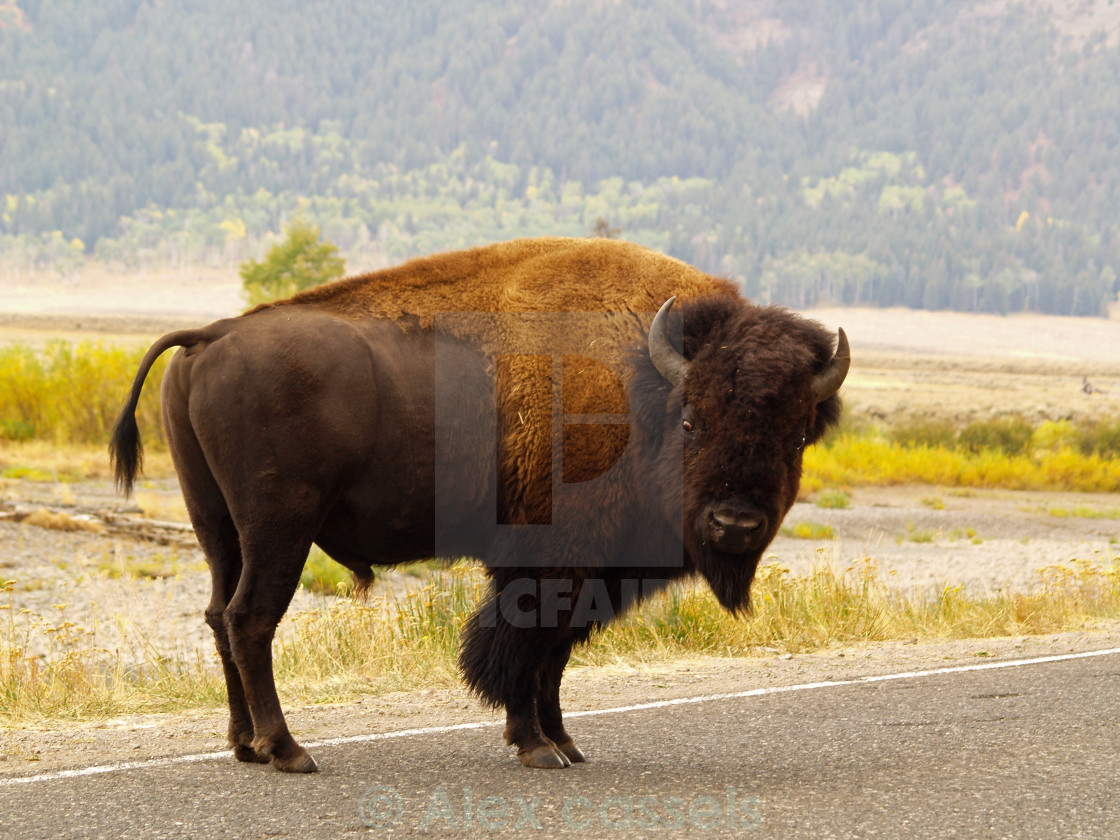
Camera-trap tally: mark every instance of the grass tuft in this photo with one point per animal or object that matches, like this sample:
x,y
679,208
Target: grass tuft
x,y
834,499
1083,512
321,574
808,531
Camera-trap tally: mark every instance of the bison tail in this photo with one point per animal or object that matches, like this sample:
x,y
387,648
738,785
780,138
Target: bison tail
x,y
126,452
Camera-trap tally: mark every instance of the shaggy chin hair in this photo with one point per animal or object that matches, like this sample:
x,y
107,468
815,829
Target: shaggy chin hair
x,y
729,576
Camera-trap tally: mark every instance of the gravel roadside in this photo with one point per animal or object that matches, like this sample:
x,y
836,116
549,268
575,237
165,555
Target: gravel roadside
x,y
136,596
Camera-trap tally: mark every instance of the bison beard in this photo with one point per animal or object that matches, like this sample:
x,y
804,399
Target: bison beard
x,y
358,417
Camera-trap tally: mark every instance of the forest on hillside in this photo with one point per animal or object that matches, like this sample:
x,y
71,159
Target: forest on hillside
x,y
927,153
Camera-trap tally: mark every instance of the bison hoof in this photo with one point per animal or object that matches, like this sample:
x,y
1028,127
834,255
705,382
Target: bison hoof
x,y
301,762
243,752
571,752
544,757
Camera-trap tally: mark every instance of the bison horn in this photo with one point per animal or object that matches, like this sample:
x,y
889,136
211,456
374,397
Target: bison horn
x,y
669,363
828,381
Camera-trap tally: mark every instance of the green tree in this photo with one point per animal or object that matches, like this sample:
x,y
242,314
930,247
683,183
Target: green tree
x,y
299,262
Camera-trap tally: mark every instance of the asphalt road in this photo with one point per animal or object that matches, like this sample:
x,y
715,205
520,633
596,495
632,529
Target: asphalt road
x,y
1016,752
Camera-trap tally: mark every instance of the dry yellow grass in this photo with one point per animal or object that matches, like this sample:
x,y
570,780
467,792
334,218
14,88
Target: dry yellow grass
x,y
47,460
43,518
354,647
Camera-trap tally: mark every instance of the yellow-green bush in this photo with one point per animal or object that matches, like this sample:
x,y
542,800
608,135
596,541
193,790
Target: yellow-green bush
x,y
1011,435
851,461
71,393
1054,435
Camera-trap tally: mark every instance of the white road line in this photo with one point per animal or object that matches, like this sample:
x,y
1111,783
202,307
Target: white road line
x,y
119,767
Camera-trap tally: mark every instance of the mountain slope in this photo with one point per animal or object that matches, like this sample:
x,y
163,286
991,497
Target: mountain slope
x,y
935,154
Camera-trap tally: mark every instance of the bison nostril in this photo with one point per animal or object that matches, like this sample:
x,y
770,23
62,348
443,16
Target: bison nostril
x,y
733,521
735,529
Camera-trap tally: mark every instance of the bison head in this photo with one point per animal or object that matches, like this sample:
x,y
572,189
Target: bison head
x,y
750,388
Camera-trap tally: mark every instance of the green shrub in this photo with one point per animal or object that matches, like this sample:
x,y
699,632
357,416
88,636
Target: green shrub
x,y
922,431
836,499
1009,435
299,262
1101,438
16,429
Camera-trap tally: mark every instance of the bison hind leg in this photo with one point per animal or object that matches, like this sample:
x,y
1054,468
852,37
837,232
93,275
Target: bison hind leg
x,y
272,559
221,543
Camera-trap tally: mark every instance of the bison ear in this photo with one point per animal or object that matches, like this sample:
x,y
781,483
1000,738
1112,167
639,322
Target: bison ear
x,y
828,381
669,363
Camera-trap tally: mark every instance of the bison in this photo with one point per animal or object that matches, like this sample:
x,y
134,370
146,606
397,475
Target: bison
x,y
512,403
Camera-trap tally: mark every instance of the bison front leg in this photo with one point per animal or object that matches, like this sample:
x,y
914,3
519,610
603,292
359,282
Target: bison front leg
x,y
548,704
502,664
534,721
523,730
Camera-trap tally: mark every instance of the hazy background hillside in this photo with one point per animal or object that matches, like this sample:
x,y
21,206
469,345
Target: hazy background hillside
x,y
928,153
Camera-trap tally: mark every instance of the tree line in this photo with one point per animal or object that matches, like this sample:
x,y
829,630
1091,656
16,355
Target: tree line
x,y
954,160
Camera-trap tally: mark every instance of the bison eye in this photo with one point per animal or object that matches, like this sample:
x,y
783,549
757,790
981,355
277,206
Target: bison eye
x,y
689,422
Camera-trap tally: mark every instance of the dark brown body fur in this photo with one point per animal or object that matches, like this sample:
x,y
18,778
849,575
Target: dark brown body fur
x,y
353,417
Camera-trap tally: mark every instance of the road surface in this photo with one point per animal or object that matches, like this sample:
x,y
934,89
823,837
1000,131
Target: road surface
x,y
1020,751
